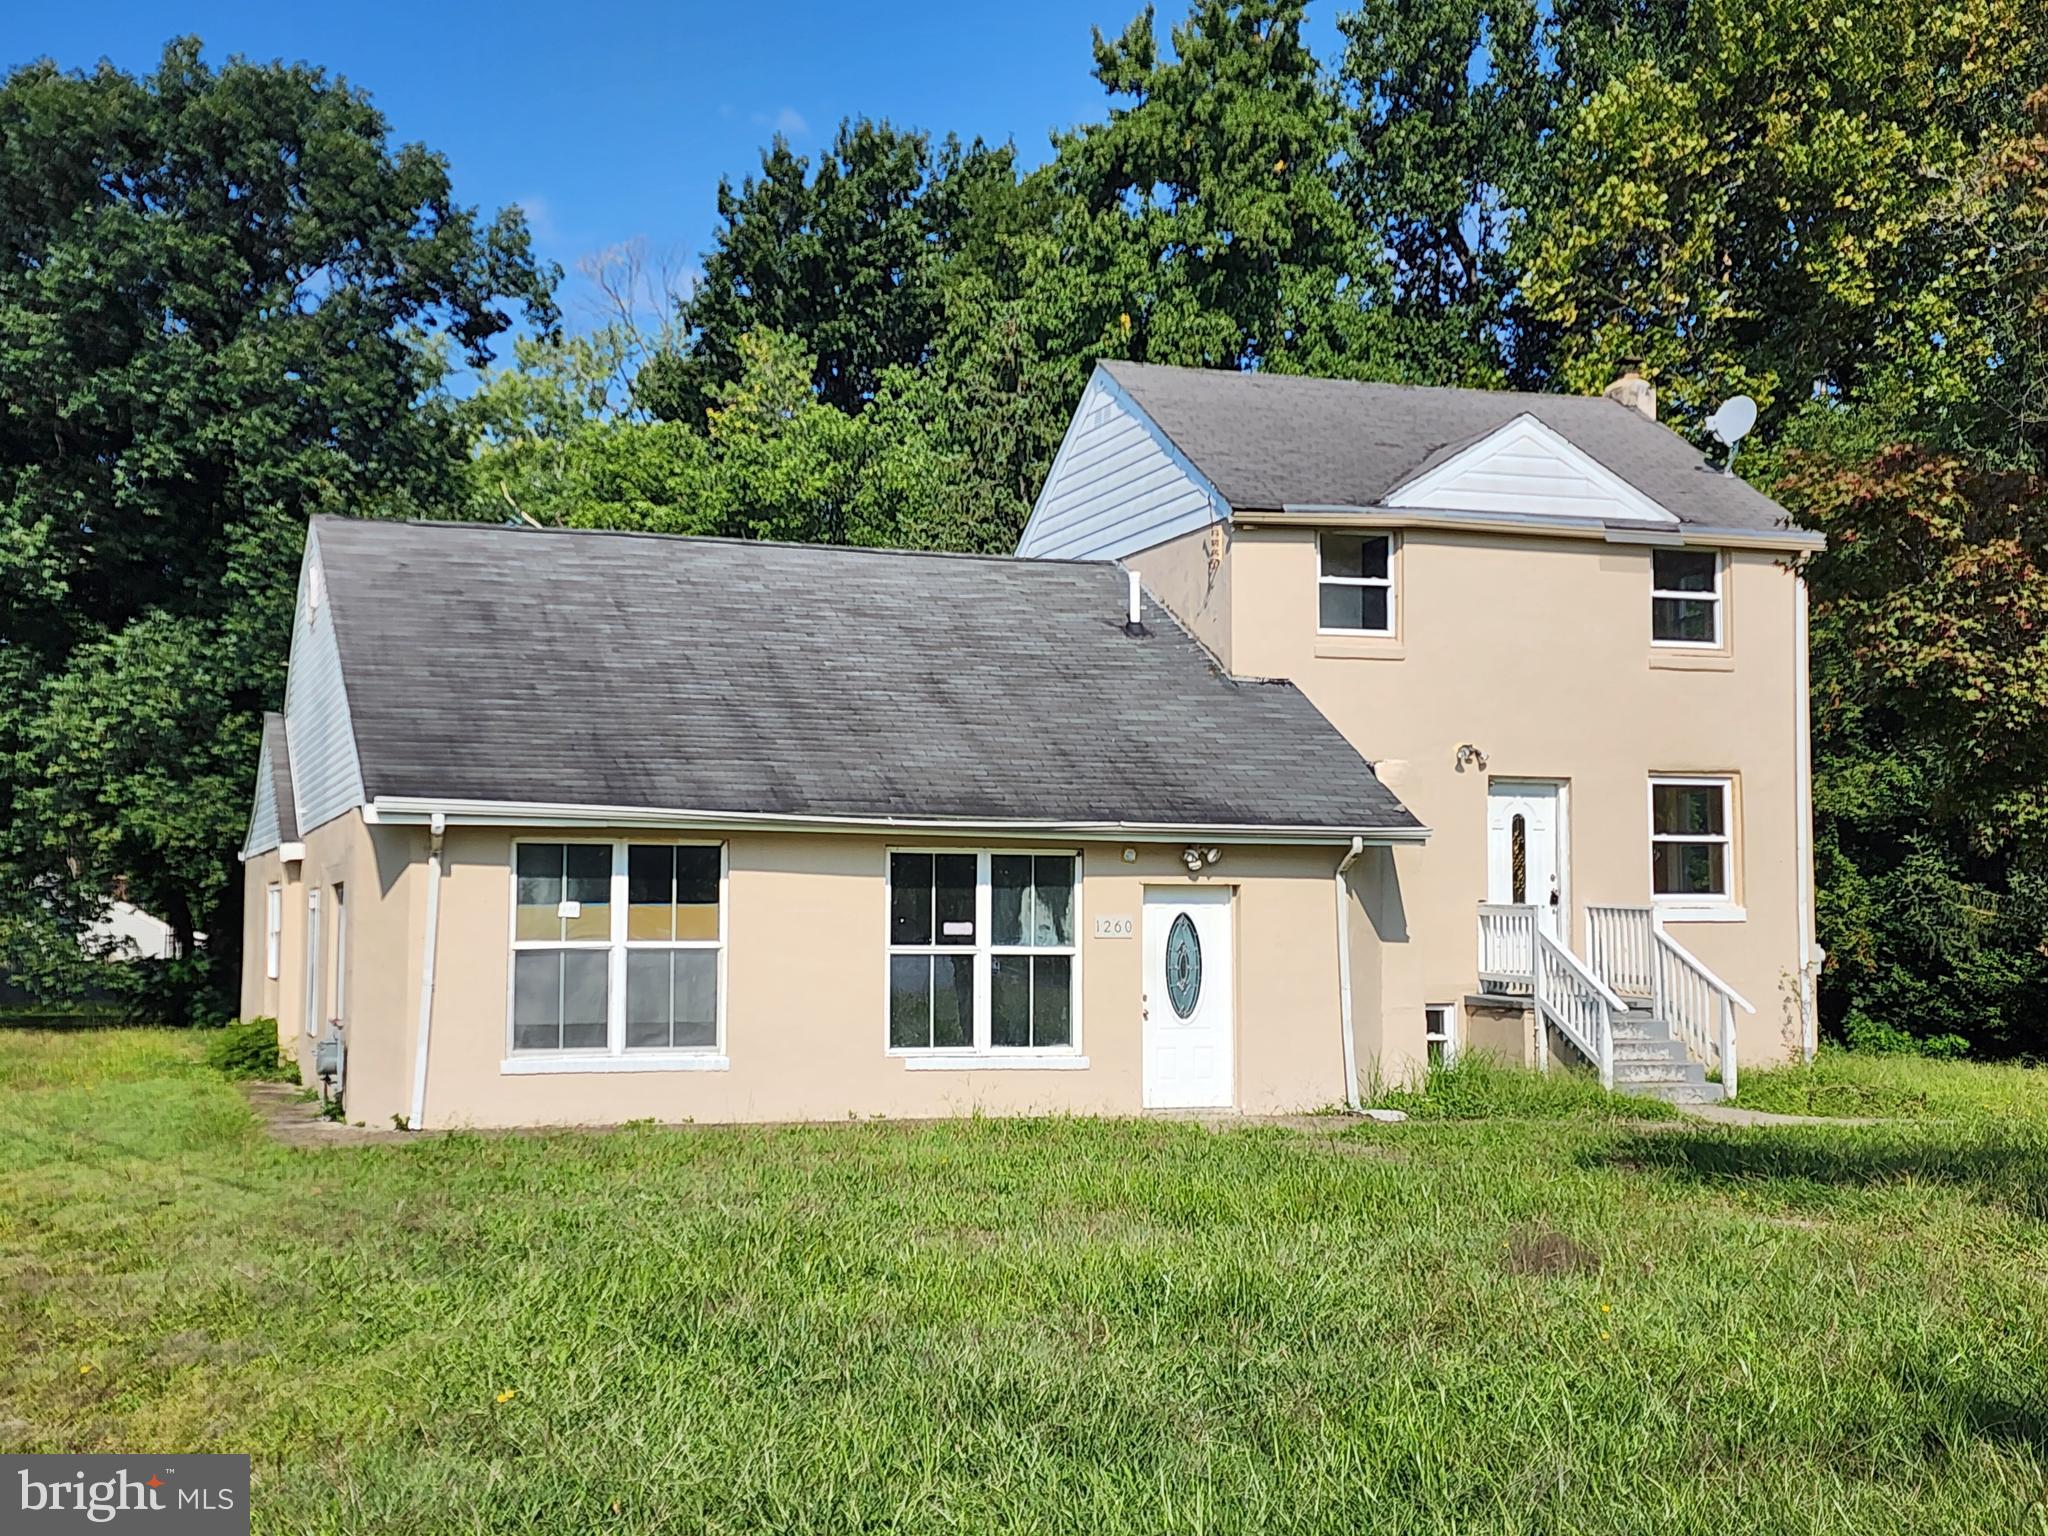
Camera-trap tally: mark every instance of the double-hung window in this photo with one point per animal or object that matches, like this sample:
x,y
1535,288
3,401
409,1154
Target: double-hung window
x,y
273,929
1685,597
1355,583
1690,840
617,948
982,957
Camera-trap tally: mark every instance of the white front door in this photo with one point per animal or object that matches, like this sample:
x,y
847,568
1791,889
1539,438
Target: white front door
x,y
1189,1030
1525,855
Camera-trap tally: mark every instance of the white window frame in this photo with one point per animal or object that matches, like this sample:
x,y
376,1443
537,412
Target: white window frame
x,y
1386,581
1715,597
983,1053
615,1057
339,892
1445,1035
311,1022
1719,906
273,929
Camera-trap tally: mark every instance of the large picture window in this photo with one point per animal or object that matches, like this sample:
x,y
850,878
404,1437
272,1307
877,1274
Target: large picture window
x,y
1355,583
982,952
616,948
1685,597
1690,839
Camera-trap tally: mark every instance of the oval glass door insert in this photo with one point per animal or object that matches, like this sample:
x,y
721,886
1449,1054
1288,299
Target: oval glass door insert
x,y
1183,965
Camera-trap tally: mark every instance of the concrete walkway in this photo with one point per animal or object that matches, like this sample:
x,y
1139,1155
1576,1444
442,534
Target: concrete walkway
x,y
1729,1114
297,1122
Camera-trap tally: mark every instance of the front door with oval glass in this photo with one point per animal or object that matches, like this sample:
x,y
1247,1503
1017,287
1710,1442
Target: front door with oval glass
x,y
1525,849
1189,1030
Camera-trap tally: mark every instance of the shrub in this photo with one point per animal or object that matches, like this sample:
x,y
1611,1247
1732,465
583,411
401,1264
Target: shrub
x,y
247,1048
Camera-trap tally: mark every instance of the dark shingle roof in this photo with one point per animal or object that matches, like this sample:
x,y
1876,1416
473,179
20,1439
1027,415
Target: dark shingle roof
x,y
723,676
1268,441
281,776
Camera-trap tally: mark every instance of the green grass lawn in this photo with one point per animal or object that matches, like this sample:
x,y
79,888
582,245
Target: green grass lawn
x,y
1570,1324
1901,1087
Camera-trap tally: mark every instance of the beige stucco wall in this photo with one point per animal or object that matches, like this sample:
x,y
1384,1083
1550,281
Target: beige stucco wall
x,y
1537,651
806,965
806,978
263,995
376,963
1191,576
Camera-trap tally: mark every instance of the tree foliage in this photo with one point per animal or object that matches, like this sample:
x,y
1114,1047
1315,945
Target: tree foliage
x,y
214,321
1930,650
1750,200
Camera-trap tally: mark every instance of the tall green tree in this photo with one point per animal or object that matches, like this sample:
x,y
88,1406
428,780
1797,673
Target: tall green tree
x,y
838,258
1202,223
1445,147
1748,194
220,312
1930,648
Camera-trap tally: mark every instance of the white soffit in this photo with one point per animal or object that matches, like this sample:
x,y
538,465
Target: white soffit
x,y
1527,469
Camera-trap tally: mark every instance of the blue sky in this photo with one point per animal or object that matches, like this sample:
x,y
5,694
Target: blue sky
x,y
611,122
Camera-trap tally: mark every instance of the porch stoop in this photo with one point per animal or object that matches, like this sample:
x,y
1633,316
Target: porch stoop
x,y
1641,1008
1651,1061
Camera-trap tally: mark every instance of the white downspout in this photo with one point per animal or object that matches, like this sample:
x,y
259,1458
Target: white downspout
x,y
1344,974
438,827
1809,946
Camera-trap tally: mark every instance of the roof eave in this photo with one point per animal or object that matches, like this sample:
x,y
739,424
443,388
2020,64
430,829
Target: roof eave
x,y
415,810
1375,515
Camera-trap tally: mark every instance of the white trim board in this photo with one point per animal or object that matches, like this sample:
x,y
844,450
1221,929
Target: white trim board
x,y
1527,468
407,810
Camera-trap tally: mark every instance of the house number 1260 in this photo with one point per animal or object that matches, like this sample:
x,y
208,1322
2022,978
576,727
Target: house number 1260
x,y
1114,927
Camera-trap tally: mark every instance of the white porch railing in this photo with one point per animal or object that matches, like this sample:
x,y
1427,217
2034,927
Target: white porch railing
x,y
1517,957
1578,1003
1633,954
1507,947
1621,946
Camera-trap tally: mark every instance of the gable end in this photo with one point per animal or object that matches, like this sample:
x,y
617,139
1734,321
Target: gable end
x,y
1117,486
1528,470
320,737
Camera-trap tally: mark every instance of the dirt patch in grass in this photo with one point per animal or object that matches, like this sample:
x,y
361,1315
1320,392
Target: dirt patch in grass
x,y
1532,1251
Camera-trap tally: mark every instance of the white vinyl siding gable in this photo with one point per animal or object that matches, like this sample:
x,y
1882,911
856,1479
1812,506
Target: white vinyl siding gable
x,y
327,774
262,835
1526,469
1118,485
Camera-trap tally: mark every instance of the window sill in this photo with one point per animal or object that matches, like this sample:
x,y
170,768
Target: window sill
x,y
1678,658
535,1066
1360,647
1710,912
995,1062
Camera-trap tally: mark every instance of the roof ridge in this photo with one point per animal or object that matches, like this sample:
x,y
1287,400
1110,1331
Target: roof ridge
x,y
453,524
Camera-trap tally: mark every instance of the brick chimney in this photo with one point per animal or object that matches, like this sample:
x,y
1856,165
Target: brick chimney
x,y
1631,389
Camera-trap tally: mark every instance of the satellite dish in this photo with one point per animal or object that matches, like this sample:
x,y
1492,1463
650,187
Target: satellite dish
x,y
1731,424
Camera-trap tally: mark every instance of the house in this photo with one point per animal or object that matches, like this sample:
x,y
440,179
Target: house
x,y
1575,649
1318,730
570,827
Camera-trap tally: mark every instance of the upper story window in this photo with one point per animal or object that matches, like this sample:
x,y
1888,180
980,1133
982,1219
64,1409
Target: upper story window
x,y
1685,597
1355,583
982,952
616,947
1690,840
